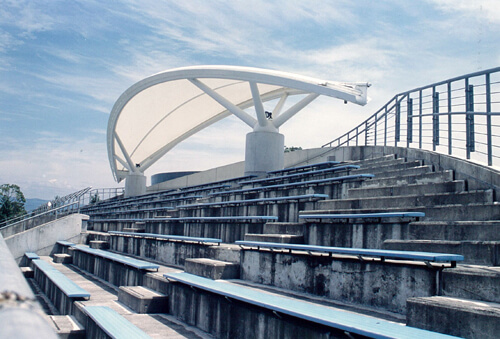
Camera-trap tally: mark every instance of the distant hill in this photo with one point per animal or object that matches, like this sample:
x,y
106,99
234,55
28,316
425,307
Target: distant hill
x,y
31,204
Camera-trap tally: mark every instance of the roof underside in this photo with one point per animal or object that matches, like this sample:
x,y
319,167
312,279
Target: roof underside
x,y
157,113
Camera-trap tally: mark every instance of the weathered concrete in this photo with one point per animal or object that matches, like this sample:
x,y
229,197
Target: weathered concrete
x,y
41,239
472,282
173,252
66,326
63,258
452,230
99,244
377,284
225,318
212,269
459,317
279,238
475,252
143,300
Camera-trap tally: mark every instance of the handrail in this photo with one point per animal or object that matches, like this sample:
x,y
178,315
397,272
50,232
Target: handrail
x,y
54,211
459,116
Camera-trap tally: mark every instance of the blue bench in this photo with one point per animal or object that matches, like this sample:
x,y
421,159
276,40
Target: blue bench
x,y
193,219
113,324
31,255
135,263
65,243
168,237
334,318
301,174
426,257
364,215
300,183
306,167
67,286
262,200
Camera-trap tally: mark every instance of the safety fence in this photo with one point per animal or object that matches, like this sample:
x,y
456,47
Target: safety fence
x,y
458,116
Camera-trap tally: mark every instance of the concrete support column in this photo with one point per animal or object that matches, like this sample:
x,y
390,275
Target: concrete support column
x,y
135,184
264,152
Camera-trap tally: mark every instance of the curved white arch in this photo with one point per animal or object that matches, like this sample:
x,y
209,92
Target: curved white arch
x,y
160,111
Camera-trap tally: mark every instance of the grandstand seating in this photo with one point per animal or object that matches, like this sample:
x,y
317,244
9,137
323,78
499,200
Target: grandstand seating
x,y
383,239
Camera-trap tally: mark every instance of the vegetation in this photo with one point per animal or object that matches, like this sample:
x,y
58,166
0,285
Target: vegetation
x,y
11,202
292,148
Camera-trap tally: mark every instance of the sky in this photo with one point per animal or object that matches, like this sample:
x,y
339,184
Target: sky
x,y
63,64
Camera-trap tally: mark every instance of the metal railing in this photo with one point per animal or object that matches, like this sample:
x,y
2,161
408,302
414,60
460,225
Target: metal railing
x,y
458,116
61,206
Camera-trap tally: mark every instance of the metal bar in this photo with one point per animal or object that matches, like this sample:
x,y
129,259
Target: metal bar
x,y
470,118
488,119
398,124
385,126
259,107
450,140
409,121
420,120
435,118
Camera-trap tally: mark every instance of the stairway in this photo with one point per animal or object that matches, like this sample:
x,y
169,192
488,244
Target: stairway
x,y
457,221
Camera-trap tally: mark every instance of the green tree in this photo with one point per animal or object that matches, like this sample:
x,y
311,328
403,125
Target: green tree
x,y
11,202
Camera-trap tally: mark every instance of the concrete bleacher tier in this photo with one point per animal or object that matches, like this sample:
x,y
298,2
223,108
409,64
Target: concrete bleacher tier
x,y
376,247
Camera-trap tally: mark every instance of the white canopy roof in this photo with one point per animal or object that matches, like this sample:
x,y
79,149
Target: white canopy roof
x,y
160,111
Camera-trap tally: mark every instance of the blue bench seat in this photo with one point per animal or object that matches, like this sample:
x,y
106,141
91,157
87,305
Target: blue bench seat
x,y
135,263
306,167
66,285
334,318
360,252
301,174
168,237
114,324
31,255
299,183
256,201
193,219
65,243
364,215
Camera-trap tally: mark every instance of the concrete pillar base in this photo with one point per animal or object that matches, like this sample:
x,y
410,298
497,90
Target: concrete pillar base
x,y
264,152
135,184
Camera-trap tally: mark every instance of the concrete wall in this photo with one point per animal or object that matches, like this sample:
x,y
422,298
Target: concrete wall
x,y
383,285
478,176
225,318
41,239
236,170
170,252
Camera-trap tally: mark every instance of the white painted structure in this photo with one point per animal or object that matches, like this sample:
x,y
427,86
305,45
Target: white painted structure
x,y
160,111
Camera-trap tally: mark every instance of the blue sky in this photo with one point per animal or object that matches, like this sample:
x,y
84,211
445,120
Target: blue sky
x,y
64,63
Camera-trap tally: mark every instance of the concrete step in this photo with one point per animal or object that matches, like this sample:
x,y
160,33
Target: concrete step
x,y
63,258
474,252
279,238
66,326
474,212
472,282
398,165
294,228
212,269
405,189
408,179
448,230
390,202
143,300
367,162
99,244
460,317
389,173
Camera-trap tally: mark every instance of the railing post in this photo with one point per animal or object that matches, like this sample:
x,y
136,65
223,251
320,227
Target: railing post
x,y
409,121
397,123
488,120
450,149
385,126
435,118
420,120
375,127
469,118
